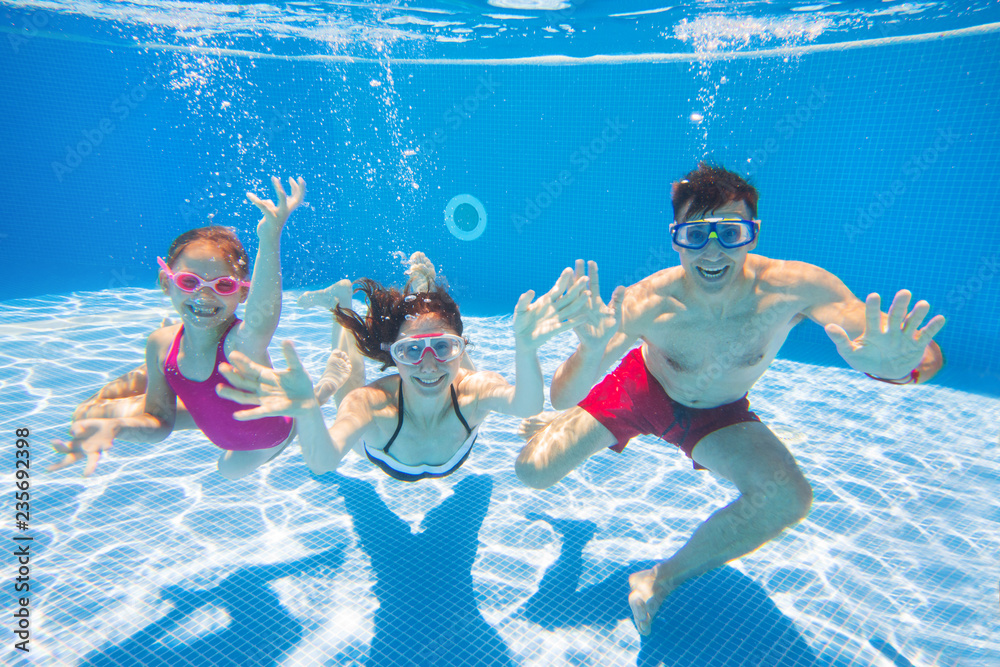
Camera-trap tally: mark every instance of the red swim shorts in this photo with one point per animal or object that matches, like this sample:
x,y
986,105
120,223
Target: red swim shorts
x,y
630,401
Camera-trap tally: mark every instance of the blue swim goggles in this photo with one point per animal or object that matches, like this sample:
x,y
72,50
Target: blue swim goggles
x,y
729,232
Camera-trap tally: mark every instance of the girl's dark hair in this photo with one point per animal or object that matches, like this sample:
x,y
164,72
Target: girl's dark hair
x,y
709,188
388,309
224,238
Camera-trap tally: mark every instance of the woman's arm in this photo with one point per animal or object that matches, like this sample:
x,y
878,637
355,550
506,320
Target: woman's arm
x,y
323,449
290,393
535,322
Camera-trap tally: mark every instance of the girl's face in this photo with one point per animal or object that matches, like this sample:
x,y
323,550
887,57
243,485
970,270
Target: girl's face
x,y
204,307
430,377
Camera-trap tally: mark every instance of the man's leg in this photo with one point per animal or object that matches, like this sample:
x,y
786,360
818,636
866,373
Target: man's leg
x,y
569,440
773,495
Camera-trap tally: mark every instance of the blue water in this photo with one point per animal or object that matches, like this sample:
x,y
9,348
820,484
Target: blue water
x,y
875,160
899,546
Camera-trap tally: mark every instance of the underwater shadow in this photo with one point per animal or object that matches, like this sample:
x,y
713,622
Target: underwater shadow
x,y
427,615
260,630
720,619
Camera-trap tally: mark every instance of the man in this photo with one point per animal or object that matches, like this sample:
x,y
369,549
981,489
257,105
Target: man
x,y
709,329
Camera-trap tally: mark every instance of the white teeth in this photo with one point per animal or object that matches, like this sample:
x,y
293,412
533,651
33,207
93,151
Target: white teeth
x,y
203,311
712,273
429,383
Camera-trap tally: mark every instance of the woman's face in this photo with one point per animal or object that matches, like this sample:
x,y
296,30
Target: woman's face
x,y
430,377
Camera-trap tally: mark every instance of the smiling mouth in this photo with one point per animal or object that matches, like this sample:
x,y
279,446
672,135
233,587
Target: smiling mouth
x,y
424,383
203,310
712,274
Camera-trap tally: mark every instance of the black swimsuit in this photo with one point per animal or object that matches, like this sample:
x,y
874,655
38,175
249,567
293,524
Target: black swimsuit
x,y
412,473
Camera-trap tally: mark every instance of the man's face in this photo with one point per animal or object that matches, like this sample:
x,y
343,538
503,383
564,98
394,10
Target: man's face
x,y
714,267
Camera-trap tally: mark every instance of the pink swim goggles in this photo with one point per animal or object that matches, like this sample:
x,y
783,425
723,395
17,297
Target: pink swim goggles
x,y
192,282
411,350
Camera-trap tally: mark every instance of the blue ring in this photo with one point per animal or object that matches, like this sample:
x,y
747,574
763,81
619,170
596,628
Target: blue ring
x,y
449,218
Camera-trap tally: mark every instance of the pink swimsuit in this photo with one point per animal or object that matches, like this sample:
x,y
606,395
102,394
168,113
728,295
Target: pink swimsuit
x,y
214,414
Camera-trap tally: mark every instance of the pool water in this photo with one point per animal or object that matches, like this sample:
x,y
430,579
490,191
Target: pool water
x,y
505,141
899,545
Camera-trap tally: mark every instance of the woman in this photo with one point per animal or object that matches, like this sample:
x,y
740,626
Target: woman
x,y
422,421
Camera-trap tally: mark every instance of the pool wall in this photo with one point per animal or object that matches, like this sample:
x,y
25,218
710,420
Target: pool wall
x,y
877,164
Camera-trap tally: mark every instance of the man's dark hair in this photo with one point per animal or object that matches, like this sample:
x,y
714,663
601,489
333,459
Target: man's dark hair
x,y
709,188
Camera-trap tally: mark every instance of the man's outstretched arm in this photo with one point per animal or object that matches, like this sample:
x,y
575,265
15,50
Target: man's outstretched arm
x,y
603,341
887,346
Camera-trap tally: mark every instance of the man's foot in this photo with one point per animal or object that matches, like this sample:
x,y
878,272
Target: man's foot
x,y
571,530
532,425
337,294
647,594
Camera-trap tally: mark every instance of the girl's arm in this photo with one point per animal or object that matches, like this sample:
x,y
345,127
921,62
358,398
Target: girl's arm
x,y
157,420
92,437
535,322
263,308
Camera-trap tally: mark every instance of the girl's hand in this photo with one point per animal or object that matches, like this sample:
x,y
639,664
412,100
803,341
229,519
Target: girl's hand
x,y
275,216
289,393
559,309
90,438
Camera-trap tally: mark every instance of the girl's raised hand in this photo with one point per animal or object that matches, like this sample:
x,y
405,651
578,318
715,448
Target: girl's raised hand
x,y
289,392
275,216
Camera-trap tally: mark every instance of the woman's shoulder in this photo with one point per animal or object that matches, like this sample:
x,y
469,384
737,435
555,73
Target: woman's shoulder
x,y
473,382
379,395
474,389
375,404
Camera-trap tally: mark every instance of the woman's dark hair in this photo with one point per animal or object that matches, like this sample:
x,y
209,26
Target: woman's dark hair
x,y
709,188
224,238
388,309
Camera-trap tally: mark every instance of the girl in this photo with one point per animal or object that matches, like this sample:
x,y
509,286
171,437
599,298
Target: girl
x,y
422,421
204,275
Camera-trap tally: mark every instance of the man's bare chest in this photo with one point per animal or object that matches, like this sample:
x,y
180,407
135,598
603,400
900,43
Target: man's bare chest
x,y
690,340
